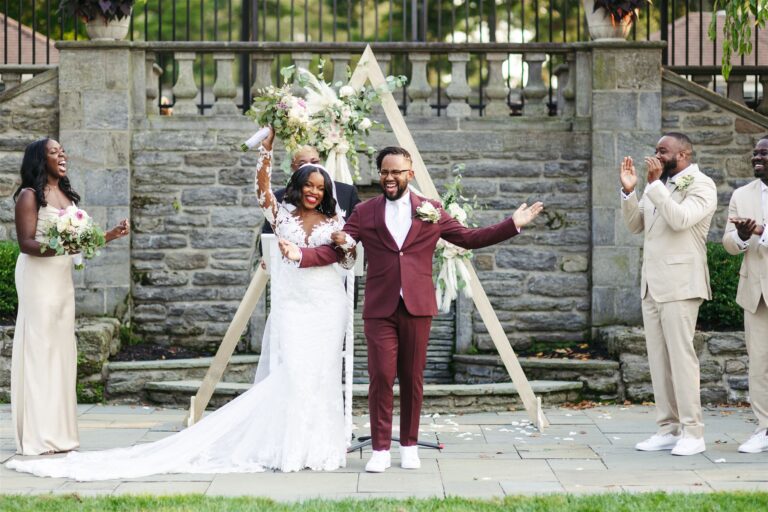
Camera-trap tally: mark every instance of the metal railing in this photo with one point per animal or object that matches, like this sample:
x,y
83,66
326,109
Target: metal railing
x,y
682,23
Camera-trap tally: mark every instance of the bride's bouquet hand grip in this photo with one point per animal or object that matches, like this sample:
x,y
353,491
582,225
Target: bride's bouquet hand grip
x,y
255,139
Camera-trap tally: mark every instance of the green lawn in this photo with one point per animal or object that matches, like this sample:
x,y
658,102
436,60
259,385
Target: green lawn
x,y
615,502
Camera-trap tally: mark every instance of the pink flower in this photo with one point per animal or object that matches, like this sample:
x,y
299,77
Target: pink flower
x,y
79,215
62,212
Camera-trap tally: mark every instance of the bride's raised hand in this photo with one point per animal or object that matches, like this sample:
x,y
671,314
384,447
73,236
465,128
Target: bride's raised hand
x,y
290,250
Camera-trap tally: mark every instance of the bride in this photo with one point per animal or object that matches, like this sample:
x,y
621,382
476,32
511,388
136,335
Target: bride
x,y
293,417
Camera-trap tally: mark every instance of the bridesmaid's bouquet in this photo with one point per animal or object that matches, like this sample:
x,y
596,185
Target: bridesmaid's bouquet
x,y
451,260
74,232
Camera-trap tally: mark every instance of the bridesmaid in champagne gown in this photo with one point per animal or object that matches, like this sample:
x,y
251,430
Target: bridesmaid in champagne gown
x,y
44,362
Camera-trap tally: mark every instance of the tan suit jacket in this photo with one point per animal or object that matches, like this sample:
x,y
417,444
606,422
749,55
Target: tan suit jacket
x,y
746,202
675,224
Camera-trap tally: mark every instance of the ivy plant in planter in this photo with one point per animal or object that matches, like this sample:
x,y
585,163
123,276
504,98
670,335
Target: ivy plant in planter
x,y
740,15
618,10
91,9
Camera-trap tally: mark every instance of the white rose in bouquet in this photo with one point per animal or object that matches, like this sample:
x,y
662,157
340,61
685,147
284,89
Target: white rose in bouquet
x,y
346,90
365,124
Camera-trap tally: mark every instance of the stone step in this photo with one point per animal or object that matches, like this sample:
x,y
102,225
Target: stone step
x,y
600,377
455,398
126,379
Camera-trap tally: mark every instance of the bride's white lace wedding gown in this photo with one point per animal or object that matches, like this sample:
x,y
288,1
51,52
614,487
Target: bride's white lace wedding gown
x,y
291,419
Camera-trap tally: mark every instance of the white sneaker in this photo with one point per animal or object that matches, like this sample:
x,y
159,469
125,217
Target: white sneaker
x,y
689,446
658,442
380,460
757,443
409,457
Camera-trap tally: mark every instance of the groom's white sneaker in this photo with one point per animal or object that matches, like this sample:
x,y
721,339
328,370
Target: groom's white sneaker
x,y
409,457
380,460
757,443
658,442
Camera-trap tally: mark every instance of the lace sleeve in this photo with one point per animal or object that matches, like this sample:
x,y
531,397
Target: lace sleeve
x,y
264,195
348,250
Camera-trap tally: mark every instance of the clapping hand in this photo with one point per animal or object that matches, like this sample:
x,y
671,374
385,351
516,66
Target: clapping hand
x,y
745,228
627,175
525,214
290,250
654,167
119,231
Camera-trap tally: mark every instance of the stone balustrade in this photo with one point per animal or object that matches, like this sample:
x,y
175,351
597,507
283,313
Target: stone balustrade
x,y
462,95
11,75
740,86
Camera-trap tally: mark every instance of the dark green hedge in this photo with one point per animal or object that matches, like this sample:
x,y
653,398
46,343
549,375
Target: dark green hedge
x,y
722,313
9,251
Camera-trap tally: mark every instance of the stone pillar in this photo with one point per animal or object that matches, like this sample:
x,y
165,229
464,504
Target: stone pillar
x,y
496,92
419,89
458,90
569,90
152,88
736,88
11,79
561,72
702,80
185,88
763,106
262,65
102,91
301,60
535,91
626,121
340,62
224,88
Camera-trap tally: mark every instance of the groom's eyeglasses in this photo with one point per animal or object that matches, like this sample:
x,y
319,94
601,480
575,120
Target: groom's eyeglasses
x,y
394,174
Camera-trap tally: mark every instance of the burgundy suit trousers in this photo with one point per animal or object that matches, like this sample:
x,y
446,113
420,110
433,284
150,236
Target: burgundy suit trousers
x,y
397,347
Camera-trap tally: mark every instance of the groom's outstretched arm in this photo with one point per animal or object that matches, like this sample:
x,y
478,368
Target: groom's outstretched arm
x,y
452,231
327,254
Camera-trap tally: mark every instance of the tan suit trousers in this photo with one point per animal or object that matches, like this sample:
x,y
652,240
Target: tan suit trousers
x,y
756,330
669,330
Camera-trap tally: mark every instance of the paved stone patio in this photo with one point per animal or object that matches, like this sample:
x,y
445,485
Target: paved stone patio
x,y
486,455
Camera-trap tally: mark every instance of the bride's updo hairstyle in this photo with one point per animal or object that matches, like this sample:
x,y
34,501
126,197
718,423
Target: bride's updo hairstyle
x,y
300,178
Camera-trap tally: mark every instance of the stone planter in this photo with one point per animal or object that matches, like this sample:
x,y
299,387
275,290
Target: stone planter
x,y
602,27
101,29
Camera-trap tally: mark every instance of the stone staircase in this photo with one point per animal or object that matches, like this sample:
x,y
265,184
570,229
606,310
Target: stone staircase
x,y
173,382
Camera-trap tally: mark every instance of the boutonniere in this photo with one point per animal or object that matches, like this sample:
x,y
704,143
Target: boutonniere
x,y
427,212
684,182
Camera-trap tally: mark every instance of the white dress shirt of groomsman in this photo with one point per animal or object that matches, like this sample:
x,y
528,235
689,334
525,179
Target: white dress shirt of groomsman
x,y
747,233
674,214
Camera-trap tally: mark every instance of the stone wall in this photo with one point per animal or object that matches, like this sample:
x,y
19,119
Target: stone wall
x,y
196,222
27,113
97,340
723,133
722,359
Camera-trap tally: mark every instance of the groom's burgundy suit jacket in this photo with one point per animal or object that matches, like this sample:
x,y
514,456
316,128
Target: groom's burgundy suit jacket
x,y
409,268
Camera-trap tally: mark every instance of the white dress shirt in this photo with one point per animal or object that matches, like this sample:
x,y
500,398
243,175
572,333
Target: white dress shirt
x,y
397,215
744,244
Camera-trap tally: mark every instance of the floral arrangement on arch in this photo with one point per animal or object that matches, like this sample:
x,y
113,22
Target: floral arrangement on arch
x,y
452,275
74,232
335,123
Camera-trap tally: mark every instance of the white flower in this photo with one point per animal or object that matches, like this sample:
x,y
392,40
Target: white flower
x,y
346,90
346,113
457,212
684,182
365,124
427,212
342,147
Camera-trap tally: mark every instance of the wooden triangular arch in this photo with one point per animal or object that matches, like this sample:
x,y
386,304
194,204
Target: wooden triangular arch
x,y
368,70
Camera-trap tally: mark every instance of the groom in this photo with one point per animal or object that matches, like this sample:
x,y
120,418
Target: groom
x,y
400,238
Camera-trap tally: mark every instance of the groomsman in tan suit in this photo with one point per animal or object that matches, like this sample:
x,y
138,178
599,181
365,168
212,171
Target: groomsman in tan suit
x,y
746,233
674,213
